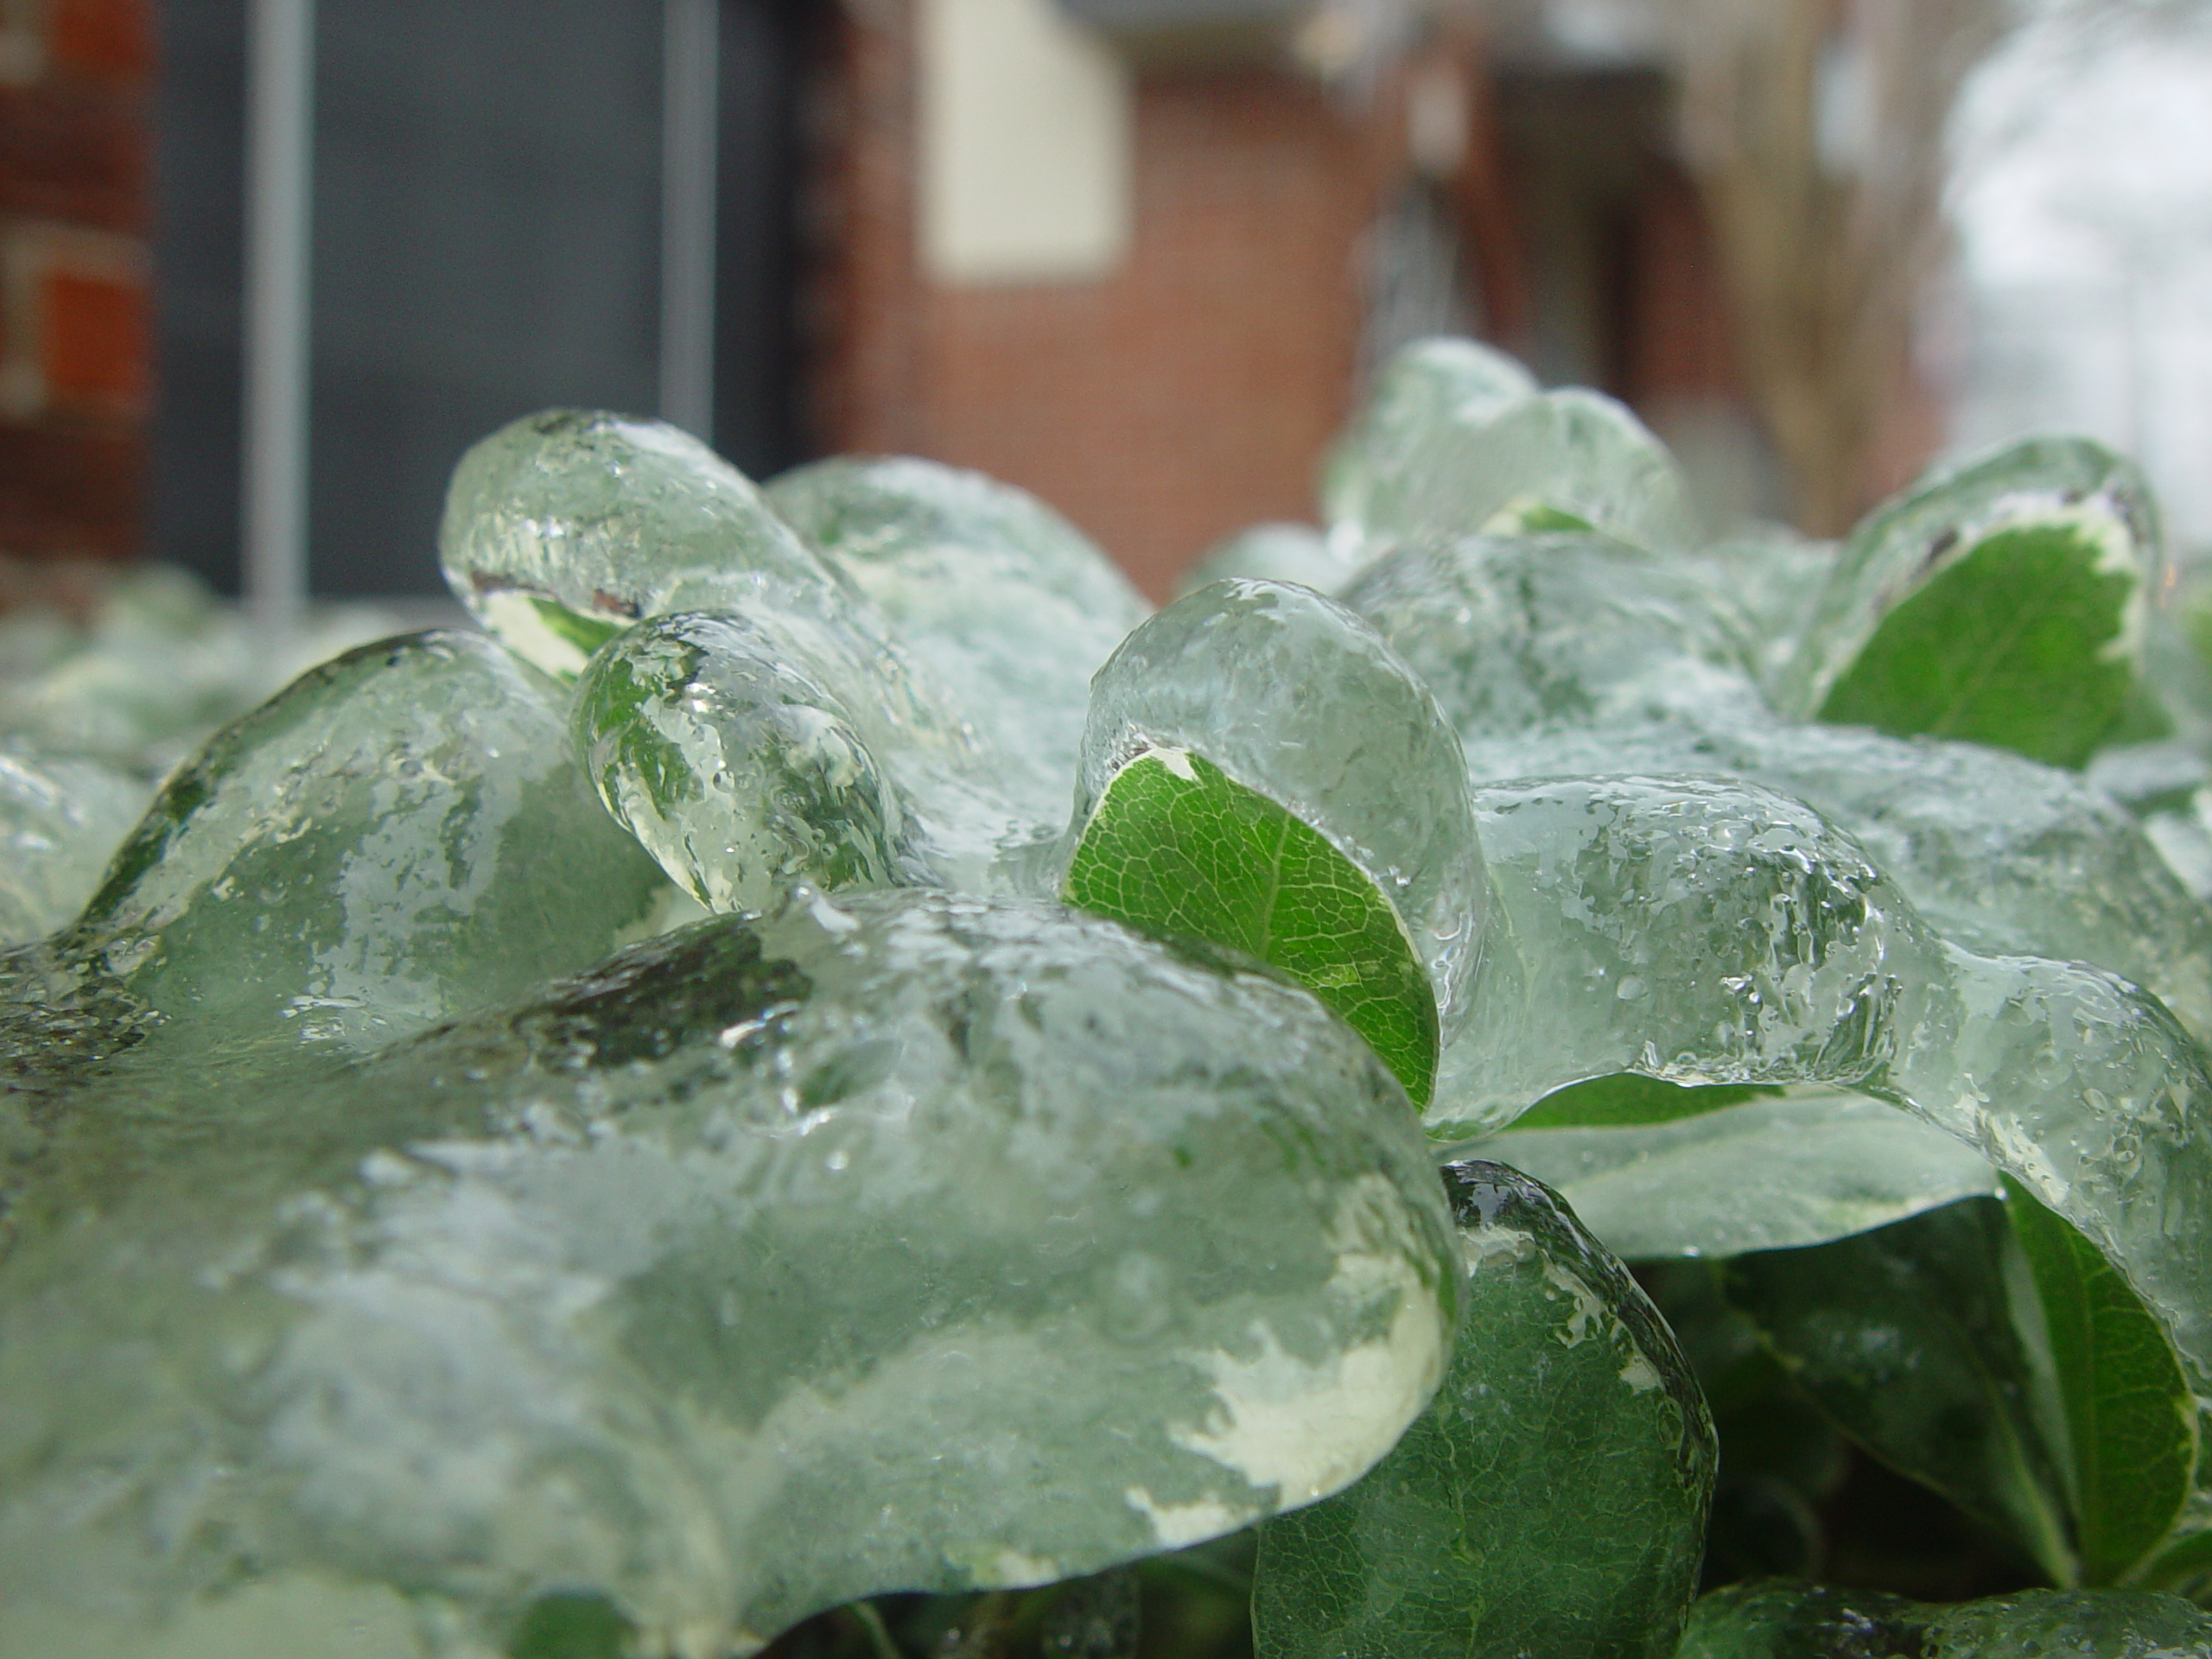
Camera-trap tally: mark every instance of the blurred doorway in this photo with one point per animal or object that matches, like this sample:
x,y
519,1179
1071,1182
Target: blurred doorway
x,y
487,240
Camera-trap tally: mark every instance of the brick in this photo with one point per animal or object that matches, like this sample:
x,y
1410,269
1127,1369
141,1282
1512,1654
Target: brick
x,y
67,492
74,152
94,352
112,39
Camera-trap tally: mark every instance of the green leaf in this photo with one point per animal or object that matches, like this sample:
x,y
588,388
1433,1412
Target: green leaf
x,y
571,1624
1552,1498
1628,1097
2130,1420
2183,1566
1529,515
2020,641
1904,1337
1797,1621
1177,848
543,632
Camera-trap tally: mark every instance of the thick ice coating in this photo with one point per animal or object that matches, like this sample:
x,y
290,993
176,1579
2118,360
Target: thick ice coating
x,y
1703,931
61,818
1427,387
1800,1166
749,752
2081,882
1291,695
920,1242
1566,628
1457,436
1009,604
563,528
397,836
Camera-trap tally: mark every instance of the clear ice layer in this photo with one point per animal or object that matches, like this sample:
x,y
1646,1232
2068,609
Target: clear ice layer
x,y
752,752
1005,602
61,818
920,1242
1457,436
1995,851
1802,1167
1703,931
398,836
563,528
1515,633
153,669
354,1277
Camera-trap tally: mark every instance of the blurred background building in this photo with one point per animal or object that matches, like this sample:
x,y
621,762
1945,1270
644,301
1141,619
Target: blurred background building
x,y
1136,255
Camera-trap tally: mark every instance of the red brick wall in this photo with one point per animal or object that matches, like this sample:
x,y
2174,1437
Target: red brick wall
x,y
1190,394
74,96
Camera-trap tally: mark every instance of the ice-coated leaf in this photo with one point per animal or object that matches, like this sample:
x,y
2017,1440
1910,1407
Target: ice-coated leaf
x,y
1426,387
1557,629
919,1244
396,837
1906,1337
2009,500
1506,643
1178,848
1291,696
2020,642
2082,881
1792,1621
751,753
1007,603
566,526
721,748
61,818
1456,435
1707,932
1773,577
2130,1420
1552,1500
1786,1167
155,666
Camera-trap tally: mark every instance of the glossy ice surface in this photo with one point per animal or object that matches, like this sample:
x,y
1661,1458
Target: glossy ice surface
x,y
406,1225
61,818
924,1242
1006,602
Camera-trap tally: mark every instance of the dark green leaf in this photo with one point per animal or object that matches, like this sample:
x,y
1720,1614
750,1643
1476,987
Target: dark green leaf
x,y
1797,1621
1551,1501
1906,1337
2130,1418
571,1624
1177,848
1628,1098
2017,642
